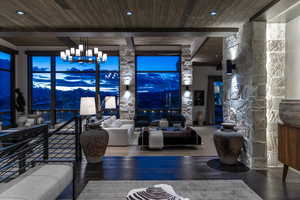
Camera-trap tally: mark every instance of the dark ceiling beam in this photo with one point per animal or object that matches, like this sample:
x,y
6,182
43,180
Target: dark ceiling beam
x,y
188,9
67,41
130,42
8,50
206,64
63,4
146,32
197,45
263,10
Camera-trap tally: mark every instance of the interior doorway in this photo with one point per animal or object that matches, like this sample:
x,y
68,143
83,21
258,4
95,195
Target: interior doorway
x,y
214,106
218,94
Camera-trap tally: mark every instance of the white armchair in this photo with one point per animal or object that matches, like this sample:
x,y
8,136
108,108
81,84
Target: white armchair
x,y
118,136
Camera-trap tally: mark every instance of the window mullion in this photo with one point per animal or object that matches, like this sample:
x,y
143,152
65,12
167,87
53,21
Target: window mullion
x,y
53,91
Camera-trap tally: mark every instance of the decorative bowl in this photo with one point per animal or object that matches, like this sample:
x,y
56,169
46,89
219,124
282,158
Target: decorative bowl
x,y
289,112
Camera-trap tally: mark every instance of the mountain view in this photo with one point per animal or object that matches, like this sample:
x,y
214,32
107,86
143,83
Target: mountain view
x,y
155,90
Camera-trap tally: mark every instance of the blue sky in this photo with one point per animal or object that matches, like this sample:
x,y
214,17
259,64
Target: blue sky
x,y
4,60
157,63
43,63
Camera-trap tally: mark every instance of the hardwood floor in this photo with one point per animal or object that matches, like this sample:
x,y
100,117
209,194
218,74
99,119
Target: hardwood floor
x,y
266,183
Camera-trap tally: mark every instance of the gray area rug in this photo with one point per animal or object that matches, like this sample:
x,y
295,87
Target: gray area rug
x,y
194,190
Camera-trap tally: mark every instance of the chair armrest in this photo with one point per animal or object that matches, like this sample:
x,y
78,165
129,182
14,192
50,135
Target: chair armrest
x,y
117,130
125,121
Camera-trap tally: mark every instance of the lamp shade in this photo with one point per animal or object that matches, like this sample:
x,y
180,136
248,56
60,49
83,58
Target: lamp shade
x,y
110,102
87,106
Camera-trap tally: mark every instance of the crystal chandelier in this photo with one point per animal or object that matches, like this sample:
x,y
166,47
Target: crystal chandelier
x,y
83,54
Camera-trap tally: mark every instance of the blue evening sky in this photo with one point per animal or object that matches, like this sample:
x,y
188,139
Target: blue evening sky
x,y
43,63
4,60
157,63
112,64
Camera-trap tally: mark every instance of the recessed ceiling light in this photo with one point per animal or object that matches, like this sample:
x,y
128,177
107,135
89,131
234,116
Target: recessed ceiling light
x,y
213,13
129,13
20,12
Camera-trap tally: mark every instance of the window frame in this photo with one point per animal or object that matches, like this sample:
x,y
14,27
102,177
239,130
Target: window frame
x,y
53,54
12,112
158,53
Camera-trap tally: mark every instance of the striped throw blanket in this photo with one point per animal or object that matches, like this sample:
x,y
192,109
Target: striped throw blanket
x,y
156,192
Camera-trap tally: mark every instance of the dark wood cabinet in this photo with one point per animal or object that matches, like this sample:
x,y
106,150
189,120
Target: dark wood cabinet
x,y
288,147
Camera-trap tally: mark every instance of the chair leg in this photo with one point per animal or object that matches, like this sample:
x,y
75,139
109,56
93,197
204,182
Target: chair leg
x,y
285,172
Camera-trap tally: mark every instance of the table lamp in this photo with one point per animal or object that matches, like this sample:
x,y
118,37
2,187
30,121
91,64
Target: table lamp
x,y
110,102
87,106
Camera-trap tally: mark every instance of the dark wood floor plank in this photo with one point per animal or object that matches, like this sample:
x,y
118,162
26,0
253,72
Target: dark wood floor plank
x,y
266,183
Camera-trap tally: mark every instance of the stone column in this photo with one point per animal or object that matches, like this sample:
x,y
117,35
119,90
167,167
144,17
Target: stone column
x,y
245,93
187,80
127,79
275,86
258,96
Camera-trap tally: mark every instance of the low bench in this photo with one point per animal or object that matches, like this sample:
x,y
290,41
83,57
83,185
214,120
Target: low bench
x,y
45,182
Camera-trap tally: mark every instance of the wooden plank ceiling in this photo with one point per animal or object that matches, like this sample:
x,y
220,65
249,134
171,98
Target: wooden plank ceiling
x,y
211,51
83,14
87,15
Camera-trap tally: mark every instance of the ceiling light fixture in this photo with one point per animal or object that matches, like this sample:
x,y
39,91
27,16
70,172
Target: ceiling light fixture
x,y
83,54
213,13
20,12
129,13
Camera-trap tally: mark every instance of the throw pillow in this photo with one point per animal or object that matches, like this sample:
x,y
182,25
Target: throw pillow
x,y
113,117
116,124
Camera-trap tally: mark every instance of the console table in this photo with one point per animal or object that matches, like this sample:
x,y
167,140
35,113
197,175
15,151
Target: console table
x,y
288,147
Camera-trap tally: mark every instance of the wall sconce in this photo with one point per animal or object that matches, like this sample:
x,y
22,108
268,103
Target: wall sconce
x,y
187,93
127,94
230,67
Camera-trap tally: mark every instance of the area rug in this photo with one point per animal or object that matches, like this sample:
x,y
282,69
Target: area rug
x,y
194,190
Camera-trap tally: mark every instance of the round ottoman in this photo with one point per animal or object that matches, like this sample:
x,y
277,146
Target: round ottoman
x,y
229,145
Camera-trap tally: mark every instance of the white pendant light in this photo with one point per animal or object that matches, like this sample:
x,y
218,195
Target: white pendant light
x,y
72,51
80,47
77,52
62,54
96,50
68,52
100,54
90,52
104,57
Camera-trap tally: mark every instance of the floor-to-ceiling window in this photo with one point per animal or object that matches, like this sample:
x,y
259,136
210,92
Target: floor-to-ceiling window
x,y
6,89
110,82
41,85
57,85
158,83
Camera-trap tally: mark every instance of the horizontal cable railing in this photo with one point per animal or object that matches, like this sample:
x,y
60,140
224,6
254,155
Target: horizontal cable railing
x,y
20,149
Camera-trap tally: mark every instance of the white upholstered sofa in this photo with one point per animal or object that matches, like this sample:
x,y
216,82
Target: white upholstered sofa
x,y
118,130
45,182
